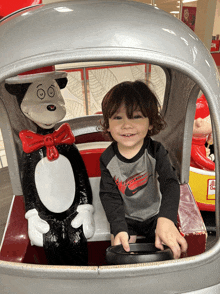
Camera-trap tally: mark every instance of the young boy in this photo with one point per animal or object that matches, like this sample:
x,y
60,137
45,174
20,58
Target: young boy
x,y
139,189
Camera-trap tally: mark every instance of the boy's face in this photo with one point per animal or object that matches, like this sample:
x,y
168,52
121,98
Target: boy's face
x,y
129,133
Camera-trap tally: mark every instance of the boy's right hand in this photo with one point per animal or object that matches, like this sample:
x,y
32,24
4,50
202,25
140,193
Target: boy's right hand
x,y
122,239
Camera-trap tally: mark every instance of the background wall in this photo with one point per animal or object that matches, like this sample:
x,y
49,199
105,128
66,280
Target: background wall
x,y
216,28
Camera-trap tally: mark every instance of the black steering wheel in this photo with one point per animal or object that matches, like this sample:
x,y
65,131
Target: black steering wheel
x,y
139,253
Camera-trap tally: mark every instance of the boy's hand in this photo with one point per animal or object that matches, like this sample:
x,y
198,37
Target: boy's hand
x,y
168,234
122,239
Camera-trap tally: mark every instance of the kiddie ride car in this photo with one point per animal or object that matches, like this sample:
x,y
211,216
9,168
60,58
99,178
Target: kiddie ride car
x,y
202,165
91,31
202,183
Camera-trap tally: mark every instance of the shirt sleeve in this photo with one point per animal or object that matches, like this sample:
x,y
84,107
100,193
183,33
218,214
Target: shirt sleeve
x,y
169,185
112,201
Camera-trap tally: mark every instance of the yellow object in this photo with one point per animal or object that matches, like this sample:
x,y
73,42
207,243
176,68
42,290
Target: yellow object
x,y
202,184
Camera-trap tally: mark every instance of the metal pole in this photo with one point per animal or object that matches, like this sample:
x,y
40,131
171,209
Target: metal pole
x,y
85,91
181,9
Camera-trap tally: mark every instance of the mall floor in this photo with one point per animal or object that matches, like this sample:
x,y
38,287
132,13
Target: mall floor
x,y
6,195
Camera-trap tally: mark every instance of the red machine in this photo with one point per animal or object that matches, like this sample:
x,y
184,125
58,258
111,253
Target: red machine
x,y
7,7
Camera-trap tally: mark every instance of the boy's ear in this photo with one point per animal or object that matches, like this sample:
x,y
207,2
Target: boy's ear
x,y
150,128
62,82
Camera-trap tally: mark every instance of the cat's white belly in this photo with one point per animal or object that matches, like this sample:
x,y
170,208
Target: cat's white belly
x,y
55,183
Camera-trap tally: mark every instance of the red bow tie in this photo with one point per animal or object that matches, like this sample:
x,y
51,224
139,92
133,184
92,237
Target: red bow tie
x,y
32,141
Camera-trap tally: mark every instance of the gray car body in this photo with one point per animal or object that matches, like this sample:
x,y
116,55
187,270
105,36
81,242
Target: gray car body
x,y
88,31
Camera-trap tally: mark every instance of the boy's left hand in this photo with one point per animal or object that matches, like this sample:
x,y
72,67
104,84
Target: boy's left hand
x,y
167,233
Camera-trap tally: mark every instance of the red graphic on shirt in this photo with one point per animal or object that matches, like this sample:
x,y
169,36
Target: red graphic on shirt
x,y
133,184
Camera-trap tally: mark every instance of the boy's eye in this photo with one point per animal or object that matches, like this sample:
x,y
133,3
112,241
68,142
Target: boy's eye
x,y
117,117
138,116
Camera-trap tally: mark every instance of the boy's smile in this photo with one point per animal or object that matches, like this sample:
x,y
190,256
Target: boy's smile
x,y
129,133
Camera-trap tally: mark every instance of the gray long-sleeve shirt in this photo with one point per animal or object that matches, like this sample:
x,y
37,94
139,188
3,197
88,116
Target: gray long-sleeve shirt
x,y
138,188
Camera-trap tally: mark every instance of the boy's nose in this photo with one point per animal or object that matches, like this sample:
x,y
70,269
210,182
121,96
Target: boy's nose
x,y
127,123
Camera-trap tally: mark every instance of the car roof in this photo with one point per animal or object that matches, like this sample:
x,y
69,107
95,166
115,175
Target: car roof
x,y
99,30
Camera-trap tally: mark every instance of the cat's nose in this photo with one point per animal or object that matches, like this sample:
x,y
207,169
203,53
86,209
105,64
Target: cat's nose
x,y
51,107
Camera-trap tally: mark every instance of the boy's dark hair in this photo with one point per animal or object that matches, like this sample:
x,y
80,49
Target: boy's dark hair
x,y
135,95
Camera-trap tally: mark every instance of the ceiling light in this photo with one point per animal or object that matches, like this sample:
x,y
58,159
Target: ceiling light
x,y
186,1
174,12
63,9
